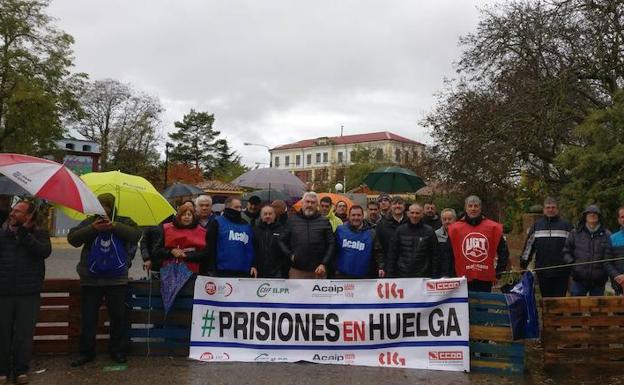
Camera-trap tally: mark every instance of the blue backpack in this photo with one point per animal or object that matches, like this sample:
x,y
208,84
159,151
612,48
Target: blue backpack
x,y
107,257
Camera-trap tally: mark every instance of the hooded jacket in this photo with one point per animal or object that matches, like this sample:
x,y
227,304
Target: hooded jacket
x,y
333,219
308,241
84,234
583,245
385,230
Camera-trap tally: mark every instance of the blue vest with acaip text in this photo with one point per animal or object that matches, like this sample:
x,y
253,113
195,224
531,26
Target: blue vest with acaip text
x,y
355,249
234,246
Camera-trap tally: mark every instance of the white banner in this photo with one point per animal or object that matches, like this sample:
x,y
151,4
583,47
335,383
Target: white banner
x,y
407,323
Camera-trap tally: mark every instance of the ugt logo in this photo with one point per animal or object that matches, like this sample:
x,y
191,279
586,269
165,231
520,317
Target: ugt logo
x,y
475,247
388,290
391,359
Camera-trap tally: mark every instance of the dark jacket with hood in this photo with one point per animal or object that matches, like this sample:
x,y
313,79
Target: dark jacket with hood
x,y
546,240
385,230
308,241
84,234
22,255
584,245
413,252
271,261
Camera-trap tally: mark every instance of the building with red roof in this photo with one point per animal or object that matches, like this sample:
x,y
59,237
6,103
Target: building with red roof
x,y
324,159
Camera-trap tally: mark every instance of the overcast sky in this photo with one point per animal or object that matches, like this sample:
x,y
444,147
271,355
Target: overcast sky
x,y
275,72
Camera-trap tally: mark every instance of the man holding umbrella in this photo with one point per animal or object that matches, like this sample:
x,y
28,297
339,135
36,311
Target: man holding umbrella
x,y
96,284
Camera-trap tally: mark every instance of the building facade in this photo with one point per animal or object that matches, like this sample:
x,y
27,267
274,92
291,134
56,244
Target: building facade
x,y
324,159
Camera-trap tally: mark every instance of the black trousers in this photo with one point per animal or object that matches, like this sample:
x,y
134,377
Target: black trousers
x,y
90,301
18,317
482,286
556,286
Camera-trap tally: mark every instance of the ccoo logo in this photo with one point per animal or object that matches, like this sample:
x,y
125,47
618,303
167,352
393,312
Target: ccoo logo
x,y
446,356
475,247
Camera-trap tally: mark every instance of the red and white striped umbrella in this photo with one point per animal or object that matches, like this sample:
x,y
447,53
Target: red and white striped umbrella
x,y
51,181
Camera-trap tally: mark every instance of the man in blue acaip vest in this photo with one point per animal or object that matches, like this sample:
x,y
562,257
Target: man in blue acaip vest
x,y
230,243
359,256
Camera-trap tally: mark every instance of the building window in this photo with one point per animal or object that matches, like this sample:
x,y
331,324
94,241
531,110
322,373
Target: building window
x,y
397,155
287,160
309,159
277,161
86,148
297,160
69,146
379,154
318,157
325,157
340,157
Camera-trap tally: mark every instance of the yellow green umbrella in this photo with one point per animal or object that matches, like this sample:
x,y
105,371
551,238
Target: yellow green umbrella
x,y
135,197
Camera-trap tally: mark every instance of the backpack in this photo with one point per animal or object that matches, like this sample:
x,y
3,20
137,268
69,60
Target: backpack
x,y
107,257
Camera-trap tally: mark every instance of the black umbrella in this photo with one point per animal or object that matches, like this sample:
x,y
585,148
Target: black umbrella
x,y
181,190
8,187
267,195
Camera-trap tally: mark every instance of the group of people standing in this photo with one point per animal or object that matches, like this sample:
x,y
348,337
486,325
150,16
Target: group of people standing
x,y
324,239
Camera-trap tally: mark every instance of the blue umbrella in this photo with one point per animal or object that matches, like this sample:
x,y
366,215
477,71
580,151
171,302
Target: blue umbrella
x,y
173,277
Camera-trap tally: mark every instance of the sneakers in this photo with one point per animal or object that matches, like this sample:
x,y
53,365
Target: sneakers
x,y
81,361
22,379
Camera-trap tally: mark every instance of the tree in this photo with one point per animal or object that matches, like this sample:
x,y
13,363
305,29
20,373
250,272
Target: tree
x,y
123,121
198,144
37,89
596,163
528,76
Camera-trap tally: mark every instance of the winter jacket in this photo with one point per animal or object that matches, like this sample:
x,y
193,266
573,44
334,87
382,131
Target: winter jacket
x,y
445,254
616,268
546,240
149,242
230,244
433,222
385,230
584,246
357,253
413,252
271,261
84,234
22,266
251,218
308,241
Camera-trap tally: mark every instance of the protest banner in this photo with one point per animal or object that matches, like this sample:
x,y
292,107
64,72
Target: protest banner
x,y
407,323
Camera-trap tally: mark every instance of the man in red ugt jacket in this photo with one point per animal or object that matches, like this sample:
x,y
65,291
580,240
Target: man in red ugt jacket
x,y
475,242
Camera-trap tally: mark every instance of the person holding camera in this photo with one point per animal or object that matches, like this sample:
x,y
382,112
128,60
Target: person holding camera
x,y
108,246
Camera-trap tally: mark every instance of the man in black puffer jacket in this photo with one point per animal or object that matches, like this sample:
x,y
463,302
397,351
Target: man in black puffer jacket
x,y
23,249
271,262
589,242
308,241
413,249
546,239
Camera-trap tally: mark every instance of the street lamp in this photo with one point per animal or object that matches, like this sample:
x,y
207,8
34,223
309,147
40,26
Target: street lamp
x,y
262,145
167,146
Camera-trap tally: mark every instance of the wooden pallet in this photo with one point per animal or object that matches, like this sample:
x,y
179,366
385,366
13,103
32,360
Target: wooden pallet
x,y
587,330
492,349
153,333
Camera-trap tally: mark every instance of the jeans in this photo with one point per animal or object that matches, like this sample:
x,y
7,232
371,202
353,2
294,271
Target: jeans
x,y
18,317
581,289
90,302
